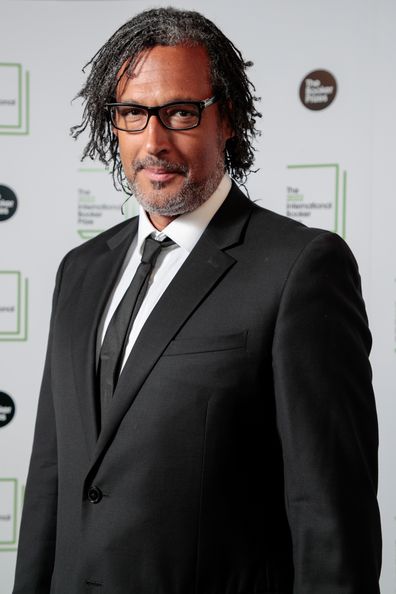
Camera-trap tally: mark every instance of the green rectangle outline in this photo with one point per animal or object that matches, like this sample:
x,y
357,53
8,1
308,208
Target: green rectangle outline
x,y
344,200
89,233
17,331
15,481
27,112
19,68
93,170
337,178
8,550
24,336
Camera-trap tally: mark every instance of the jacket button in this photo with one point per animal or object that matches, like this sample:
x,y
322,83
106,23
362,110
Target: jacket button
x,y
94,494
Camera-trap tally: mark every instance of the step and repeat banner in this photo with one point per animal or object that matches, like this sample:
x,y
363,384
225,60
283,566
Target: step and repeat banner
x,y
326,75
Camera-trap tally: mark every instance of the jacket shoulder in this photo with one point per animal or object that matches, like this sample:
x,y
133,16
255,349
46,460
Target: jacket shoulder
x,y
280,225
273,235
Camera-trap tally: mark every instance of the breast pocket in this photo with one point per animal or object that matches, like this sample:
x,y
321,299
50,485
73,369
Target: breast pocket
x,y
206,344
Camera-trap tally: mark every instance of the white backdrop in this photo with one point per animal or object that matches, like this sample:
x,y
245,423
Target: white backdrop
x,y
337,163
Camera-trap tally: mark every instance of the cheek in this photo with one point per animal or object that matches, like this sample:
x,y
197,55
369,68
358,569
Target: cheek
x,y
203,156
128,151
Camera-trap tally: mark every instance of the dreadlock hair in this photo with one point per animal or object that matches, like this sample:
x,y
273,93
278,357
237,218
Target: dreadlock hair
x,y
169,27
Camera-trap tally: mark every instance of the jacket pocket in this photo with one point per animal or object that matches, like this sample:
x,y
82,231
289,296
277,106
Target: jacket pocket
x,y
206,344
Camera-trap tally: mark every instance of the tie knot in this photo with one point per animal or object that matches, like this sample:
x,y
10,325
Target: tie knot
x,y
152,248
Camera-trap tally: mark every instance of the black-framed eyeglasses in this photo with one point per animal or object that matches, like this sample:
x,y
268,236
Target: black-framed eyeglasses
x,y
178,115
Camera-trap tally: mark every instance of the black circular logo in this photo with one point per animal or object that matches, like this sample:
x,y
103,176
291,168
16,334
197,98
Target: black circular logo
x,y
8,203
7,409
318,89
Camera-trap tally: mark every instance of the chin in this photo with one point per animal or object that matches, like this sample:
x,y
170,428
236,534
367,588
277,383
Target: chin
x,y
172,207
160,200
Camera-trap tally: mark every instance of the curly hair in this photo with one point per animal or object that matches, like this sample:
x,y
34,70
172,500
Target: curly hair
x,y
169,27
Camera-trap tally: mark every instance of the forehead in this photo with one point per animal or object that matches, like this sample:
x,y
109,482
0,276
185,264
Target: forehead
x,y
166,73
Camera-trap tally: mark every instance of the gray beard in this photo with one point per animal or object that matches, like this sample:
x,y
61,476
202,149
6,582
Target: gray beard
x,y
188,198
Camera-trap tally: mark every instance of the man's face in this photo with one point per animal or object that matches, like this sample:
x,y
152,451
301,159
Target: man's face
x,y
172,171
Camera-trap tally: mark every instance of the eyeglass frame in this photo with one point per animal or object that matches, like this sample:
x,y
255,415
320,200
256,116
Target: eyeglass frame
x,y
201,105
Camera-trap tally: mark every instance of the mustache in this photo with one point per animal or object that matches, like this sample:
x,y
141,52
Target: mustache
x,y
149,161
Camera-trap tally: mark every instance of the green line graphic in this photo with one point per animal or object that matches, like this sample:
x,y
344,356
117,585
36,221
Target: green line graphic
x,y
17,301
93,170
13,550
19,304
15,505
22,317
88,234
344,199
337,185
25,336
17,131
19,75
313,165
27,106
19,95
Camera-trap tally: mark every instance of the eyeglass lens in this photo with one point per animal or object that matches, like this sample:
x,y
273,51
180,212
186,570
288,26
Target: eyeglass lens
x,y
177,116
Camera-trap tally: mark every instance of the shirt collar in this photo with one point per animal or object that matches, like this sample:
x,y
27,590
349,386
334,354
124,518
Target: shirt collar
x,y
186,229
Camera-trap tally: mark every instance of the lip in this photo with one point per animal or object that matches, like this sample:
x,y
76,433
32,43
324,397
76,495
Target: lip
x,y
159,175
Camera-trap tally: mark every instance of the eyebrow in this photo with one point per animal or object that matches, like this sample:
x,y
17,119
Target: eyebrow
x,y
177,100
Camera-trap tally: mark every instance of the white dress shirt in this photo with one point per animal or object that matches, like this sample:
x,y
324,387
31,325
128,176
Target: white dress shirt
x,y
185,231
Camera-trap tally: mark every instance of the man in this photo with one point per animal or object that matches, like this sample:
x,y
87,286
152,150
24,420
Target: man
x,y
222,438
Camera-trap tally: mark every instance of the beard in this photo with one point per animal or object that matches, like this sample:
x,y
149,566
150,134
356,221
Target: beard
x,y
189,197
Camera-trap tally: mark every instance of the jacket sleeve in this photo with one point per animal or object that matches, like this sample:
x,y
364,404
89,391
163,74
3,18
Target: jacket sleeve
x,y
36,550
327,423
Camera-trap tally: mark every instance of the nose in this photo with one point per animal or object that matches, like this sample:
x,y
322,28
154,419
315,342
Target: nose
x,y
157,137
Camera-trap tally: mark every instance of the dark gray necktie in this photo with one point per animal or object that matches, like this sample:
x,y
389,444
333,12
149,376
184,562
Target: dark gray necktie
x,y
116,337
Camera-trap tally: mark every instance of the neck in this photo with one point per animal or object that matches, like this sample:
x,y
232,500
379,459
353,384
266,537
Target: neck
x,y
160,221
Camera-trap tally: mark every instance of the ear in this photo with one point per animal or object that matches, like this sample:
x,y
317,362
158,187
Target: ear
x,y
228,130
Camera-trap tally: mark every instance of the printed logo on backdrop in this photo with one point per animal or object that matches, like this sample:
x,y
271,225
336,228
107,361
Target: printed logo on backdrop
x,y
318,90
98,203
11,499
14,100
316,195
14,299
8,203
7,409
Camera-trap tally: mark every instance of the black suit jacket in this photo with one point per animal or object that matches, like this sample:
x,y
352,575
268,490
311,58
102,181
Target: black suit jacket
x,y
239,455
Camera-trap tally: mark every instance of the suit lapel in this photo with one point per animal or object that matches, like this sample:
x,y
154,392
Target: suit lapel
x,y
94,291
204,267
